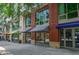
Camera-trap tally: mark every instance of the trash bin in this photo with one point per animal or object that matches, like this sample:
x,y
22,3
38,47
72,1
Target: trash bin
x,y
19,41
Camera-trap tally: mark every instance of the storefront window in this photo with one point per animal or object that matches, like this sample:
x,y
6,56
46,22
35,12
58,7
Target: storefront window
x,y
15,37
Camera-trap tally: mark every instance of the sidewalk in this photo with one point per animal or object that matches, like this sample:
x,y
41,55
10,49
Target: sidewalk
x,y
28,49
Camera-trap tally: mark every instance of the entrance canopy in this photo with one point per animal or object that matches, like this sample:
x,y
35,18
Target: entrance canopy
x,y
40,28
66,25
27,29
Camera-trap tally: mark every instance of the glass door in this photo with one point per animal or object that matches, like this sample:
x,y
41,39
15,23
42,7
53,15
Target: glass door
x,y
68,38
76,37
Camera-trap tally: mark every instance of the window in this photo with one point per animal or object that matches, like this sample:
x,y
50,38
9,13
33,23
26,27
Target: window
x,y
15,36
27,22
0,29
73,15
42,17
71,7
62,8
78,6
15,25
63,17
68,10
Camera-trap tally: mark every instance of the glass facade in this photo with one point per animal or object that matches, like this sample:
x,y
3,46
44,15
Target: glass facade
x,y
68,10
42,17
15,37
15,25
1,30
8,28
27,21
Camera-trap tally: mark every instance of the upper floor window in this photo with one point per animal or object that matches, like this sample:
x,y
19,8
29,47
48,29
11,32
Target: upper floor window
x,y
68,10
42,17
62,8
27,21
0,29
15,25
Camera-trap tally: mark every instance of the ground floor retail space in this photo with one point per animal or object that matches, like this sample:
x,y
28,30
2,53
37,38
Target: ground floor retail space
x,y
42,38
15,37
69,37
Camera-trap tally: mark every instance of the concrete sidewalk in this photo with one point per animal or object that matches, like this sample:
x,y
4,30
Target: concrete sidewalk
x,y
11,48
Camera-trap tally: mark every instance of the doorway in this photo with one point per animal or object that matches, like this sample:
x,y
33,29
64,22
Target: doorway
x,y
69,37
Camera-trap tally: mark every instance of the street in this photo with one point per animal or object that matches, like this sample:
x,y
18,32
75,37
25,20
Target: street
x,y
10,48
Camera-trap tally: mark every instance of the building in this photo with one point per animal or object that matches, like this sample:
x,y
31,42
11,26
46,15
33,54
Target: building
x,y
41,29
54,25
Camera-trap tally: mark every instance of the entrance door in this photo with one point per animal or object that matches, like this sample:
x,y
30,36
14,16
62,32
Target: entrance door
x,y
68,42
76,37
67,37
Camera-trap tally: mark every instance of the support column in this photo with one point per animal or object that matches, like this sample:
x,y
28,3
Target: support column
x,y
22,25
10,32
5,32
53,21
33,37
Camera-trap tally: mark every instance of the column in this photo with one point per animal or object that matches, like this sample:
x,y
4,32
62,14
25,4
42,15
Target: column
x,y
22,28
53,21
10,37
33,37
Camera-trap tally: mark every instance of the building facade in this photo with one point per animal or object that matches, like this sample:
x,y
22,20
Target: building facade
x,y
54,25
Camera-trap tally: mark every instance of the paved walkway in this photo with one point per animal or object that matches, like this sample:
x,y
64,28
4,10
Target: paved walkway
x,y
9,48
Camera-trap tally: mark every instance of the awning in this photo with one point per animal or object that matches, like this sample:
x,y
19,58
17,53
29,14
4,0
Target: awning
x,y
40,28
66,25
27,29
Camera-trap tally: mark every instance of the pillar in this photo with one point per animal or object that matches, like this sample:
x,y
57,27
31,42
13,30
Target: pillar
x,y
33,25
10,32
22,28
53,21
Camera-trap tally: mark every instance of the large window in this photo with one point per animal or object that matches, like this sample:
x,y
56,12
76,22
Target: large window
x,y
28,22
8,28
15,25
68,10
71,7
42,17
62,8
0,29
15,37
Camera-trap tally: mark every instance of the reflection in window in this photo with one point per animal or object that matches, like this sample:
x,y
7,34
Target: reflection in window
x,y
42,17
61,34
68,10
62,8
73,15
71,7
15,25
27,22
69,34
